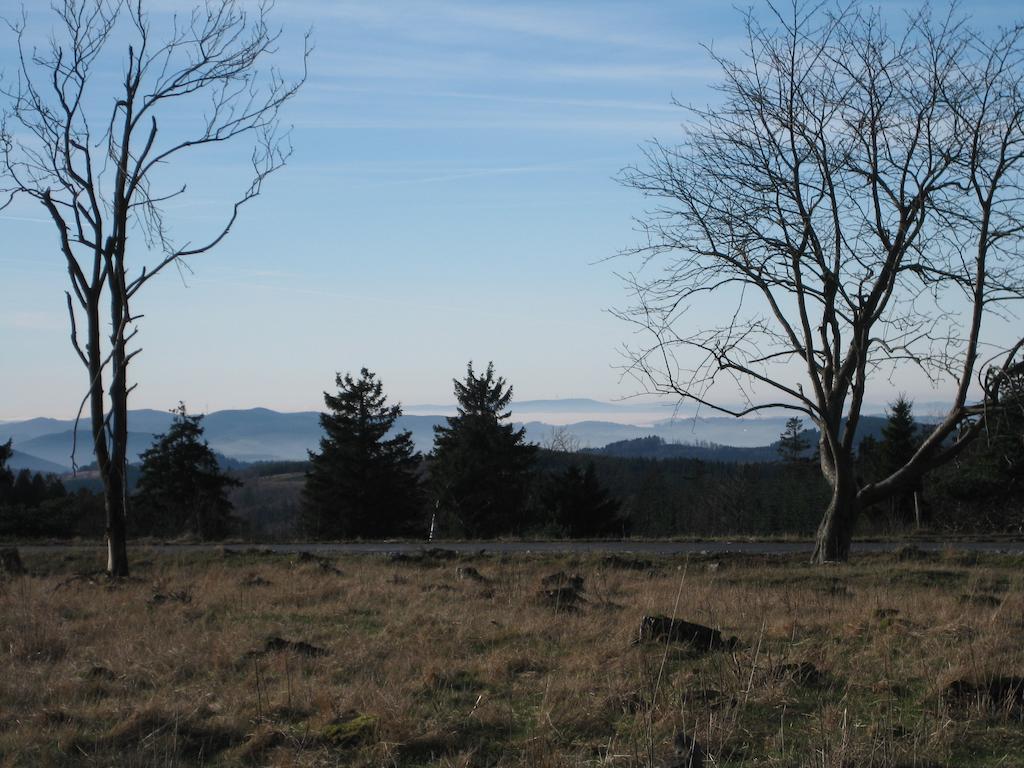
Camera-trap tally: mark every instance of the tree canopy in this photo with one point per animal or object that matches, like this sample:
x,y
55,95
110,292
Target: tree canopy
x,y
97,152
6,478
363,482
855,203
481,463
793,445
578,505
181,488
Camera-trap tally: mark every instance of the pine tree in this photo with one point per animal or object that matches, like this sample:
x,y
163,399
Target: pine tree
x,y
481,464
181,488
578,505
362,483
792,445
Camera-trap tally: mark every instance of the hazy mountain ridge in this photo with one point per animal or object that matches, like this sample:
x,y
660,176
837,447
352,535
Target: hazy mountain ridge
x,y
20,460
262,434
656,447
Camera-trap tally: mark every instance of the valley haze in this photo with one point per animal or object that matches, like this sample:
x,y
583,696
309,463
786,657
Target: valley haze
x,y
261,434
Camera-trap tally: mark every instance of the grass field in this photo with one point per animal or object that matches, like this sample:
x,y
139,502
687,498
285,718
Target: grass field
x,y
258,659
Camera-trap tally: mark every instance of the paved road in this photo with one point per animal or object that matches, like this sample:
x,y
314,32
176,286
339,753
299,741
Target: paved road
x,y
571,547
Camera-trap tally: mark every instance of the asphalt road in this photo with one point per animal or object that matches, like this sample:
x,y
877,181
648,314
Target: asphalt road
x,y
566,547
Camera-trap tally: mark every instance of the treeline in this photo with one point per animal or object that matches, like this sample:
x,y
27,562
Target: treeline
x,y
655,447
693,497
482,479
37,505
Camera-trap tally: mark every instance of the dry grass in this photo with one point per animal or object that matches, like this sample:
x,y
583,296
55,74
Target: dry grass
x,y
425,668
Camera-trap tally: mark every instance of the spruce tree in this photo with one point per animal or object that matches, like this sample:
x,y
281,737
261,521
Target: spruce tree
x,y
578,505
899,436
792,445
362,483
181,488
481,468
898,444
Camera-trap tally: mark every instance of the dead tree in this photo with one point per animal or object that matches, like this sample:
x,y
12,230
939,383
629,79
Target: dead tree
x,y
91,124
853,204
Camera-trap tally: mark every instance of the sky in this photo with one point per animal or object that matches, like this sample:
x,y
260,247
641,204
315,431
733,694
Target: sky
x,y
451,197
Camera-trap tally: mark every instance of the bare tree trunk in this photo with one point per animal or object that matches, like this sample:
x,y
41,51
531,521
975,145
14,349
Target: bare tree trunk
x,y
845,179
98,187
111,463
117,481
835,533
117,549
110,455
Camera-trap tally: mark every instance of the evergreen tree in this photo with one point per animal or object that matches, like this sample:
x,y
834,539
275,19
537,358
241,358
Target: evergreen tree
x,y
899,441
6,478
985,488
362,483
792,445
181,488
29,490
578,505
867,460
482,464
899,436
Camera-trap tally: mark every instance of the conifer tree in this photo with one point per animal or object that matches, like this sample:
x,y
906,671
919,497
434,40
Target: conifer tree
x,y
362,483
792,444
482,464
985,488
898,443
578,505
181,487
899,436
6,478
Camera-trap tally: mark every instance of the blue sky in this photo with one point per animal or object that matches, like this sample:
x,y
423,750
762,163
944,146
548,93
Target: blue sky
x,y
451,197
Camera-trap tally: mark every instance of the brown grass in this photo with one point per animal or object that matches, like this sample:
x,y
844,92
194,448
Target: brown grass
x,y
424,668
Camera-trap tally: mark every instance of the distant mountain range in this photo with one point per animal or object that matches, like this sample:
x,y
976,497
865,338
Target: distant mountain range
x,y
260,434
21,460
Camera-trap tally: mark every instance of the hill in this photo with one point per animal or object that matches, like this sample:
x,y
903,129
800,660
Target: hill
x,y
261,434
654,447
20,460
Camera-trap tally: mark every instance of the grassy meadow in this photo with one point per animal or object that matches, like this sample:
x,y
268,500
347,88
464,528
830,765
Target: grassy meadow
x,y
259,659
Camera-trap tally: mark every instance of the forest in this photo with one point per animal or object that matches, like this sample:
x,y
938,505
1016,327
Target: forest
x,y
483,480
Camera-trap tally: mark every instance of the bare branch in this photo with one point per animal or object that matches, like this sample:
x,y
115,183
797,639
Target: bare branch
x,y
859,197
220,52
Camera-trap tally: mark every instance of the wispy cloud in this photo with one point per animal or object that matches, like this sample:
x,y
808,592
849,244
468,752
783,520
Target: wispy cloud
x,y
29,219
325,91
627,72
636,129
604,24
403,304
465,66
472,173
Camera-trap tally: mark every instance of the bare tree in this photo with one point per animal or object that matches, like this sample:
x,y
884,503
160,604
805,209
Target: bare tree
x,y
856,200
92,145
561,440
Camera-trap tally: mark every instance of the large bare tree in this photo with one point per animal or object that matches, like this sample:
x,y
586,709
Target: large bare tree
x,y
93,120
853,205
